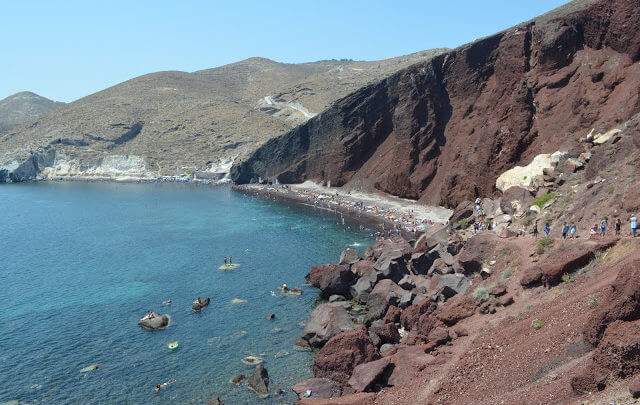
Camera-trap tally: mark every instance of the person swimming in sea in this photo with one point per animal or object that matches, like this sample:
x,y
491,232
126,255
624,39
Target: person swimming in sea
x,y
163,385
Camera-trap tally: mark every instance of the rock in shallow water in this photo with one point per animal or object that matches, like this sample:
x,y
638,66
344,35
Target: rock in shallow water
x,y
154,322
259,381
200,303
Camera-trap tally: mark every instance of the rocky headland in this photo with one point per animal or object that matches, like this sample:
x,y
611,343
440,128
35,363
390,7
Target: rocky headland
x,y
178,123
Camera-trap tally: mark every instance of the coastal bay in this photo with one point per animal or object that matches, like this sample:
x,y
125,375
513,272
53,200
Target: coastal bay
x,y
62,273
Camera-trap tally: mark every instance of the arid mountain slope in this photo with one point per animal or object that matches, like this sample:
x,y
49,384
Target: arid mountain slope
x,y
23,106
170,120
443,130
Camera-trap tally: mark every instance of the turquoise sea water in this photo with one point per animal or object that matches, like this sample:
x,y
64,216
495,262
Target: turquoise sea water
x,y
80,263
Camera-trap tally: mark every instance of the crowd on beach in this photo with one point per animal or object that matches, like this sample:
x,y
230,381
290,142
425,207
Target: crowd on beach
x,y
399,220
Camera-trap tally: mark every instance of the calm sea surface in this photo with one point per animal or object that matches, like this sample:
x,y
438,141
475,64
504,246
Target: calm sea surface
x,y
80,263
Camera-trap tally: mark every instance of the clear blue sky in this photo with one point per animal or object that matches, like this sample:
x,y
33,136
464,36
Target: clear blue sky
x,y
65,50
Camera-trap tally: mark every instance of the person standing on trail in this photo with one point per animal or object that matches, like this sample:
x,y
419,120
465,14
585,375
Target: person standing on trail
x,y
573,231
523,230
634,225
547,231
603,227
565,230
535,230
618,225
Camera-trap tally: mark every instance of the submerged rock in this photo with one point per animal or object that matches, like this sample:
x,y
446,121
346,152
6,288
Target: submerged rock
x,y
252,360
237,380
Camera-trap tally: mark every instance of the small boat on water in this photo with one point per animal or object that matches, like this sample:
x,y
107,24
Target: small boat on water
x,y
173,345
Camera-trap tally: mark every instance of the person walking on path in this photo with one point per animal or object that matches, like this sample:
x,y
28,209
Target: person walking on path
x,y
547,231
573,231
535,230
523,230
634,225
618,225
603,227
565,230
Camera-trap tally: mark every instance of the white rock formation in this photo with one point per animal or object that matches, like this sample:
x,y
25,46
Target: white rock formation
x,y
529,176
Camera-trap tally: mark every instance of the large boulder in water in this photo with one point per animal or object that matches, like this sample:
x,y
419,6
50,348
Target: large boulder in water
x,y
331,278
154,322
258,382
200,303
326,321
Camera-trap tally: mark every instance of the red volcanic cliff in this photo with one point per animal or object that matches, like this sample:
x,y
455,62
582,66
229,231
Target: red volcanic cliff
x,y
442,131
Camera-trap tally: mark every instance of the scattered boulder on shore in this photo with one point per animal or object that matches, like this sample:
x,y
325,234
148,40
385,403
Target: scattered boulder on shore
x,y
456,309
342,353
362,288
331,279
326,321
319,387
531,276
367,376
475,251
200,303
349,256
384,294
391,265
396,242
452,284
387,333
155,322
362,268
411,315
258,382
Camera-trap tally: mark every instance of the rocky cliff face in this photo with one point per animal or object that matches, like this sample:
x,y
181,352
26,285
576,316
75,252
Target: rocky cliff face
x,y
443,130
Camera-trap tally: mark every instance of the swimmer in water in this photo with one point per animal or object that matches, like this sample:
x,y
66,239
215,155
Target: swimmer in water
x,y
169,302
